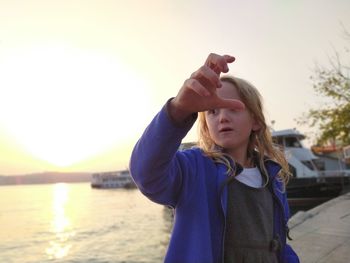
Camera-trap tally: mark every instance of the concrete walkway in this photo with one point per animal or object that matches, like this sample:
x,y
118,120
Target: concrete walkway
x,y
322,234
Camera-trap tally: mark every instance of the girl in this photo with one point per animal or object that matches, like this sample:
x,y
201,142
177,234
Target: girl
x,y
228,194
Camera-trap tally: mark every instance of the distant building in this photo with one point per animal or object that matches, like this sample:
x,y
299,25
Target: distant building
x,y
332,157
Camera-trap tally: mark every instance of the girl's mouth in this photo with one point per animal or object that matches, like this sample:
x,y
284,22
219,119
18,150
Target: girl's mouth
x,y
226,129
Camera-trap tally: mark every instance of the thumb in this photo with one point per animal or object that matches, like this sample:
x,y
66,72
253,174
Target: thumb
x,y
231,104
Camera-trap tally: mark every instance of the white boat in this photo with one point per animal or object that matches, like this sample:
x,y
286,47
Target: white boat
x,y
309,179
115,179
303,163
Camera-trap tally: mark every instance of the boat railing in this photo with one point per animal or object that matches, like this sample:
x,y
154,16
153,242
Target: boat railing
x,y
334,173
334,177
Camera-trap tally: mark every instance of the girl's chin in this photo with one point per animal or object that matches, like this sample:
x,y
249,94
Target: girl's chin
x,y
227,147
230,146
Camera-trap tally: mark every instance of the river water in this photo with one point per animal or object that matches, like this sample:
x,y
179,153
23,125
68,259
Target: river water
x,y
75,223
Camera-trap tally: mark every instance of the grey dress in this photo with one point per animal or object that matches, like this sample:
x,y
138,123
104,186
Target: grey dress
x,y
249,225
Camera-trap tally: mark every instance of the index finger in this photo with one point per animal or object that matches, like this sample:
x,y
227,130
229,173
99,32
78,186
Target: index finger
x,y
226,59
219,63
230,104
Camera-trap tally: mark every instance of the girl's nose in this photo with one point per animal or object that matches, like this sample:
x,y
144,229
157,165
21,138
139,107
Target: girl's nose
x,y
223,116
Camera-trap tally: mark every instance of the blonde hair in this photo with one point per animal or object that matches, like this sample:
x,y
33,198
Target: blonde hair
x,y
260,141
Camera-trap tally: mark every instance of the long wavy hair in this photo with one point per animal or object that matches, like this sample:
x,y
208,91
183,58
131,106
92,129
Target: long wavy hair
x,y
260,141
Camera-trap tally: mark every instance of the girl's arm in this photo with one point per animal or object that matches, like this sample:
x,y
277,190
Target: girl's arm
x,y
159,170
156,166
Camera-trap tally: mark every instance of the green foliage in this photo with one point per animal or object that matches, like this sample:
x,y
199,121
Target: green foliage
x,y
332,119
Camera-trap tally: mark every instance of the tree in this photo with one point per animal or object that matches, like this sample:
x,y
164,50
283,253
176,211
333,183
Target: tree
x,y
332,82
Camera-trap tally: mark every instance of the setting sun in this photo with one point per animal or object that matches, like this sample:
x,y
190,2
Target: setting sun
x,y
64,105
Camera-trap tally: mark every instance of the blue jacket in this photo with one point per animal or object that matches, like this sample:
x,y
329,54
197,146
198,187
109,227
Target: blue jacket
x,y
191,183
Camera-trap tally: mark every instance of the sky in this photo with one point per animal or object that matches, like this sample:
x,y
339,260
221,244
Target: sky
x,y
80,80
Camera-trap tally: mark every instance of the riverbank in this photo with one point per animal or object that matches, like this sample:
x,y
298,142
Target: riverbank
x,y
322,234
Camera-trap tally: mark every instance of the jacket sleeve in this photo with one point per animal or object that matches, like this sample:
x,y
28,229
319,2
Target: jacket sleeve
x,y
157,167
289,254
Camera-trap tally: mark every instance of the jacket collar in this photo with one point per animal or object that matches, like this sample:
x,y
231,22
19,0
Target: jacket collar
x,y
272,167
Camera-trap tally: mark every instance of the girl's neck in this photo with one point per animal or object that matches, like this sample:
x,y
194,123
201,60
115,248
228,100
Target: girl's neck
x,y
242,158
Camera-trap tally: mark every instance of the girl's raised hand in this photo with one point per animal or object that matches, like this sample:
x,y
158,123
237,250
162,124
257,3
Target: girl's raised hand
x,y
198,93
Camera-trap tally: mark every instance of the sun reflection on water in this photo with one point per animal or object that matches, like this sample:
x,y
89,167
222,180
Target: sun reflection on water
x,y
60,225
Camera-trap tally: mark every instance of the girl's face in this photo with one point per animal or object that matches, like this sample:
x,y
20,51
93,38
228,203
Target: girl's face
x,y
229,128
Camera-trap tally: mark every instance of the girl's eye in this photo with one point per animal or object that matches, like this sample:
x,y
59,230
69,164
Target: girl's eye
x,y
214,111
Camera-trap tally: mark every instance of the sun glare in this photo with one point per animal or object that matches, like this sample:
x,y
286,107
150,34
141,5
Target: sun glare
x,y
59,247
65,105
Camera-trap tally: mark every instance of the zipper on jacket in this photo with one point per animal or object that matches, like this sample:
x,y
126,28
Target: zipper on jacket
x,y
221,191
224,232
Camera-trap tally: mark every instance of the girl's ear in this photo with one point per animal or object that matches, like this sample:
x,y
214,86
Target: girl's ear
x,y
256,126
